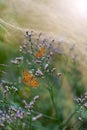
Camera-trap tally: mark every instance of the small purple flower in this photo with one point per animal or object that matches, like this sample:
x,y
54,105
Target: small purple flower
x,y
9,119
58,50
2,123
85,104
19,113
25,42
39,73
12,109
43,42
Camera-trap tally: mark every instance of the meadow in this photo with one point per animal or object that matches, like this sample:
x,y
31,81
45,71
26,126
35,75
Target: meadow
x,y
42,77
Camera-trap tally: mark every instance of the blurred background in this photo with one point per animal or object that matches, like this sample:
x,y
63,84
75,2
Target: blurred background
x,y
63,19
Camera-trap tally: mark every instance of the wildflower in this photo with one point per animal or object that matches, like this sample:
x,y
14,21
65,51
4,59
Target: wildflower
x,y
85,104
36,98
24,46
59,74
19,113
39,73
25,42
51,53
12,109
9,119
24,102
38,61
3,116
80,119
58,50
50,45
14,61
78,100
31,104
37,117
7,88
20,48
46,67
53,70
28,35
5,92
17,60
4,83
85,94
2,123
43,42
52,42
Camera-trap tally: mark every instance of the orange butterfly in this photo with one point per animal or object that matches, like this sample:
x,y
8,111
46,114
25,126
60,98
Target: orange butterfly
x,y
29,79
40,53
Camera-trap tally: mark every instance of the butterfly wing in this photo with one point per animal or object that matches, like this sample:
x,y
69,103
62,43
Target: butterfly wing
x,y
29,79
40,53
27,76
34,82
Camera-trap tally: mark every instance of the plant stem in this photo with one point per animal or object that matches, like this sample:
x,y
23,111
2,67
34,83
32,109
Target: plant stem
x,y
52,98
30,128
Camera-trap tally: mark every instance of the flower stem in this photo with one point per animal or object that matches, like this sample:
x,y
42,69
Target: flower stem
x,y
52,98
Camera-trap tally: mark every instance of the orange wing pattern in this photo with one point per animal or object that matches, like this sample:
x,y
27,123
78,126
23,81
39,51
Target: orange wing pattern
x,y
29,79
40,53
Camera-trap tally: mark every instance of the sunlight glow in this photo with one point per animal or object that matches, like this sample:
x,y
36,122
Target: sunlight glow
x,y
81,6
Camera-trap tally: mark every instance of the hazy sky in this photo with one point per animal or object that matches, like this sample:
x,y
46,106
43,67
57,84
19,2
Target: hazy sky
x,y
63,18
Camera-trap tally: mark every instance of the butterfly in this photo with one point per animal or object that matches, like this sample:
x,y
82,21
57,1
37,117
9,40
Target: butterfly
x,y
29,79
40,53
